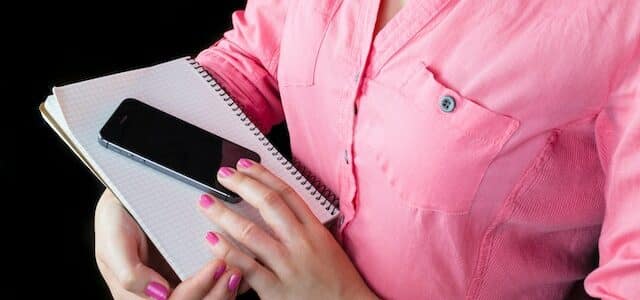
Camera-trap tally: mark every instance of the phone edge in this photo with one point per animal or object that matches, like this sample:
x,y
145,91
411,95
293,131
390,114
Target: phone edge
x,y
174,174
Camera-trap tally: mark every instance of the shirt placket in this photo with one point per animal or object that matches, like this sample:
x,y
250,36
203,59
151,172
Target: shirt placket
x,y
359,54
368,57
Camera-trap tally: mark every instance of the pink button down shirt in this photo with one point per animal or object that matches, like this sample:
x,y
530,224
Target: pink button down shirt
x,y
480,149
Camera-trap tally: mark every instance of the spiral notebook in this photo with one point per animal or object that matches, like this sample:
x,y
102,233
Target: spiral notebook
x,y
166,208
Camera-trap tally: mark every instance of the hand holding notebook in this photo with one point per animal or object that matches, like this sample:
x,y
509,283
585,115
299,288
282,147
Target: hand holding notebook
x,y
160,204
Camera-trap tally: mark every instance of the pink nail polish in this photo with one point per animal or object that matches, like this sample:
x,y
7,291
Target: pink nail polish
x,y
206,201
212,238
156,291
225,171
234,282
219,271
245,163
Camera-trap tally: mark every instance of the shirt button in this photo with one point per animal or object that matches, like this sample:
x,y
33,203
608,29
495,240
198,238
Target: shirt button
x,y
356,77
447,103
346,157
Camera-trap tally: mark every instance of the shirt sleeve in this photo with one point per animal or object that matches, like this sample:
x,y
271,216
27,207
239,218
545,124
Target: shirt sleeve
x,y
244,60
618,140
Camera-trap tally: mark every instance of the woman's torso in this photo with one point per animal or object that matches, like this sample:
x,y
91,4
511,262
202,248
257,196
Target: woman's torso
x,y
459,139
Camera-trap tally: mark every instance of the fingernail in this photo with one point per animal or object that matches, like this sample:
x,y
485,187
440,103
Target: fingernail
x,y
206,201
234,282
245,163
225,171
156,291
219,271
212,238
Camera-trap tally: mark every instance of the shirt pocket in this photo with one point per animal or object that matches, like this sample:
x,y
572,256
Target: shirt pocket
x,y
302,36
440,144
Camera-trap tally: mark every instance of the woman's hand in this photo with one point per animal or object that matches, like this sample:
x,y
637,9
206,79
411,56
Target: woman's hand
x,y
301,260
124,258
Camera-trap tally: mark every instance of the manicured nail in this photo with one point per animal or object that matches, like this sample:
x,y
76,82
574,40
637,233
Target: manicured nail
x,y
225,171
156,291
245,163
219,271
206,201
212,238
234,282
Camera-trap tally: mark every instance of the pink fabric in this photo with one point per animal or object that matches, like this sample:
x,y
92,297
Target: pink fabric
x,y
508,196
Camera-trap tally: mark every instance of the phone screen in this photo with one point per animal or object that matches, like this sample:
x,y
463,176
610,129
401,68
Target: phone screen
x,y
155,137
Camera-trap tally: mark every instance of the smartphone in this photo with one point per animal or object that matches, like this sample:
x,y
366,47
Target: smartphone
x,y
172,146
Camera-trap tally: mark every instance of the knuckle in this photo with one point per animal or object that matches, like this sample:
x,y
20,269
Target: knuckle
x,y
262,172
242,181
287,191
225,252
271,198
216,213
248,232
219,216
282,252
288,262
223,217
289,270
304,243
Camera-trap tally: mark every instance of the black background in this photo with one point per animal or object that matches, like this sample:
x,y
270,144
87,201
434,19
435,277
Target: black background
x,y
49,195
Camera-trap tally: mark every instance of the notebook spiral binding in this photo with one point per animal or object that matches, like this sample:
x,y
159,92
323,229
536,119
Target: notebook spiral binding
x,y
311,183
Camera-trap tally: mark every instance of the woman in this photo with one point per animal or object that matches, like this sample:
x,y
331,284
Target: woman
x,y
480,149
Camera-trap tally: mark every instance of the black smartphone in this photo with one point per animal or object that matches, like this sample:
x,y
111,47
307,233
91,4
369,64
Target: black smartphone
x,y
172,146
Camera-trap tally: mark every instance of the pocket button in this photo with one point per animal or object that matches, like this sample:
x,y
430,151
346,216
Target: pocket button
x,y
447,103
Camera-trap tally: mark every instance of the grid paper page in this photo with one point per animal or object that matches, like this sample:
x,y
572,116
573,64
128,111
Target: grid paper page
x,y
165,208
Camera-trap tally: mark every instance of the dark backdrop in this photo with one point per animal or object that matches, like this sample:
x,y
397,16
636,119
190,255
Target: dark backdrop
x,y
51,195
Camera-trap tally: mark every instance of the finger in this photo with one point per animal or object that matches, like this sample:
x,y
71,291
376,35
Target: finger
x,y
254,273
242,230
269,203
199,285
289,195
118,248
227,286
